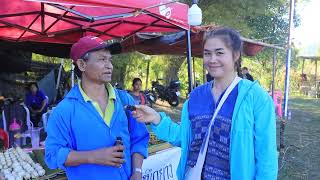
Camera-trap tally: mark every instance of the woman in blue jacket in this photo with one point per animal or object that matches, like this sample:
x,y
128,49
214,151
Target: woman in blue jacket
x,y
242,142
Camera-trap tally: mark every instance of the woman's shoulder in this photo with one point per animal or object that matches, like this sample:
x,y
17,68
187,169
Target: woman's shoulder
x,y
40,92
255,89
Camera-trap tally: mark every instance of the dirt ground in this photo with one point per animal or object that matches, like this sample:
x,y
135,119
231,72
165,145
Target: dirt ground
x,y
301,157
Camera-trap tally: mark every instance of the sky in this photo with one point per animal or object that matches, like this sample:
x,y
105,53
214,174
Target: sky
x,y
307,36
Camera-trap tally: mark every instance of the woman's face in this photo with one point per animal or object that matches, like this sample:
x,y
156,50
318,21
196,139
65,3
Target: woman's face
x,y
218,59
33,89
137,86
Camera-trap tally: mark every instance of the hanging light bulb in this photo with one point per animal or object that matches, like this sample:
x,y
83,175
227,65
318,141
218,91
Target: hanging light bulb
x,y
194,15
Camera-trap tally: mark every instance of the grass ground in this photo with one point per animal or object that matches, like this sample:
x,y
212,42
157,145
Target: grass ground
x,y
301,159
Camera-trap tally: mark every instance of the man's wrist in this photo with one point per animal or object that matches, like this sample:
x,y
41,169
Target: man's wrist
x,y
136,170
90,158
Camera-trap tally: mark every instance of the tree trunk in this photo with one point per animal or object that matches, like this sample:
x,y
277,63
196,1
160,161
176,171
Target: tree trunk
x,y
174,64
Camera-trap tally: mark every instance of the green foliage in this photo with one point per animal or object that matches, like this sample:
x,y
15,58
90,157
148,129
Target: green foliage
x,y
46,59
132,65
183,75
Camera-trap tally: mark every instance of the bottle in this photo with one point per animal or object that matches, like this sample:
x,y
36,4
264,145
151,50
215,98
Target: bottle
x,y
15,133
118,141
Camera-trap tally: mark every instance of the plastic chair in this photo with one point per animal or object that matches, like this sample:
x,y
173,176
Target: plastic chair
x,y
29,124
277,100
44,118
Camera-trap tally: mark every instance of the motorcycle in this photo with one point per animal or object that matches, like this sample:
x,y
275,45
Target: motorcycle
x,y
150,97
170,94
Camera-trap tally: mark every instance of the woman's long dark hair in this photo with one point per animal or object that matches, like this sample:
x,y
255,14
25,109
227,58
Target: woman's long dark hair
x,y
33,83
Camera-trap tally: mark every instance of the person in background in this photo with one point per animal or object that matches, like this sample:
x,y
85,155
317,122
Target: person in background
x,y
37,103
246,74
86,129
136,92
242,142
2,98
209,77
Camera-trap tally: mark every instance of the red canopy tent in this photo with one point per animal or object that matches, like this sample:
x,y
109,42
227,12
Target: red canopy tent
x,y
51,27
39,25
65,21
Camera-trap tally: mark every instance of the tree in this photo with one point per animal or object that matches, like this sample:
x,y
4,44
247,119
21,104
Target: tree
x,y
173,65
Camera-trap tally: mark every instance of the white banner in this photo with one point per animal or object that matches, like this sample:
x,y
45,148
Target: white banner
x,y
162,166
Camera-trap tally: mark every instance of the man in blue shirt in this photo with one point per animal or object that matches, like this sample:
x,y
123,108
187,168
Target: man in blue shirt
x,y
83,128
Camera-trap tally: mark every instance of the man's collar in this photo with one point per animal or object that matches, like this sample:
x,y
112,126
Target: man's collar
x,y
111,93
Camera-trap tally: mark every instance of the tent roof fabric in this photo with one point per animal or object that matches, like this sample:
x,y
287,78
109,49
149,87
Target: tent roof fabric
x,y
176,43
58,21
50,27
147,43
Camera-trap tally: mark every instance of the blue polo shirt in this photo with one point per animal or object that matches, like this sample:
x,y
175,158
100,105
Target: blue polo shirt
x,y
75,125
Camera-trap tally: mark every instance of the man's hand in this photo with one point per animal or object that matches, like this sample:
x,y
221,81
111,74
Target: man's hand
x,y
136,176
112,156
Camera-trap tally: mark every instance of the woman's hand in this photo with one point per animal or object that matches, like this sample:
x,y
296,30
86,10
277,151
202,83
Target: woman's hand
x,y
146,114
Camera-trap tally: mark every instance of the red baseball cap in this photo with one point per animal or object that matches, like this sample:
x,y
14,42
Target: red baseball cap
x,y
91,43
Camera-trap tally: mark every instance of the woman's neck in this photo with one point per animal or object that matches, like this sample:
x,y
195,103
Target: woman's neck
x,y
221,84
135,92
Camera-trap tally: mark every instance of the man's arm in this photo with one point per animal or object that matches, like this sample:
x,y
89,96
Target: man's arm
x,y
111,156
44,100
137,160
43,105
139,135
59,152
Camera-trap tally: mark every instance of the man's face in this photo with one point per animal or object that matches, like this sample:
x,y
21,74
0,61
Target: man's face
x,y
98,67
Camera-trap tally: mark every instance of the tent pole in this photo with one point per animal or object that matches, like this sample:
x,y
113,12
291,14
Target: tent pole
x,y
59,74
302,65
273,70
287,77
72,75
315,78
148,68
89,18
189,56
288,60
194,73
316,71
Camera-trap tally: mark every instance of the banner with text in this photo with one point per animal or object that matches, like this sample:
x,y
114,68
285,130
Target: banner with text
x,y
162,165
